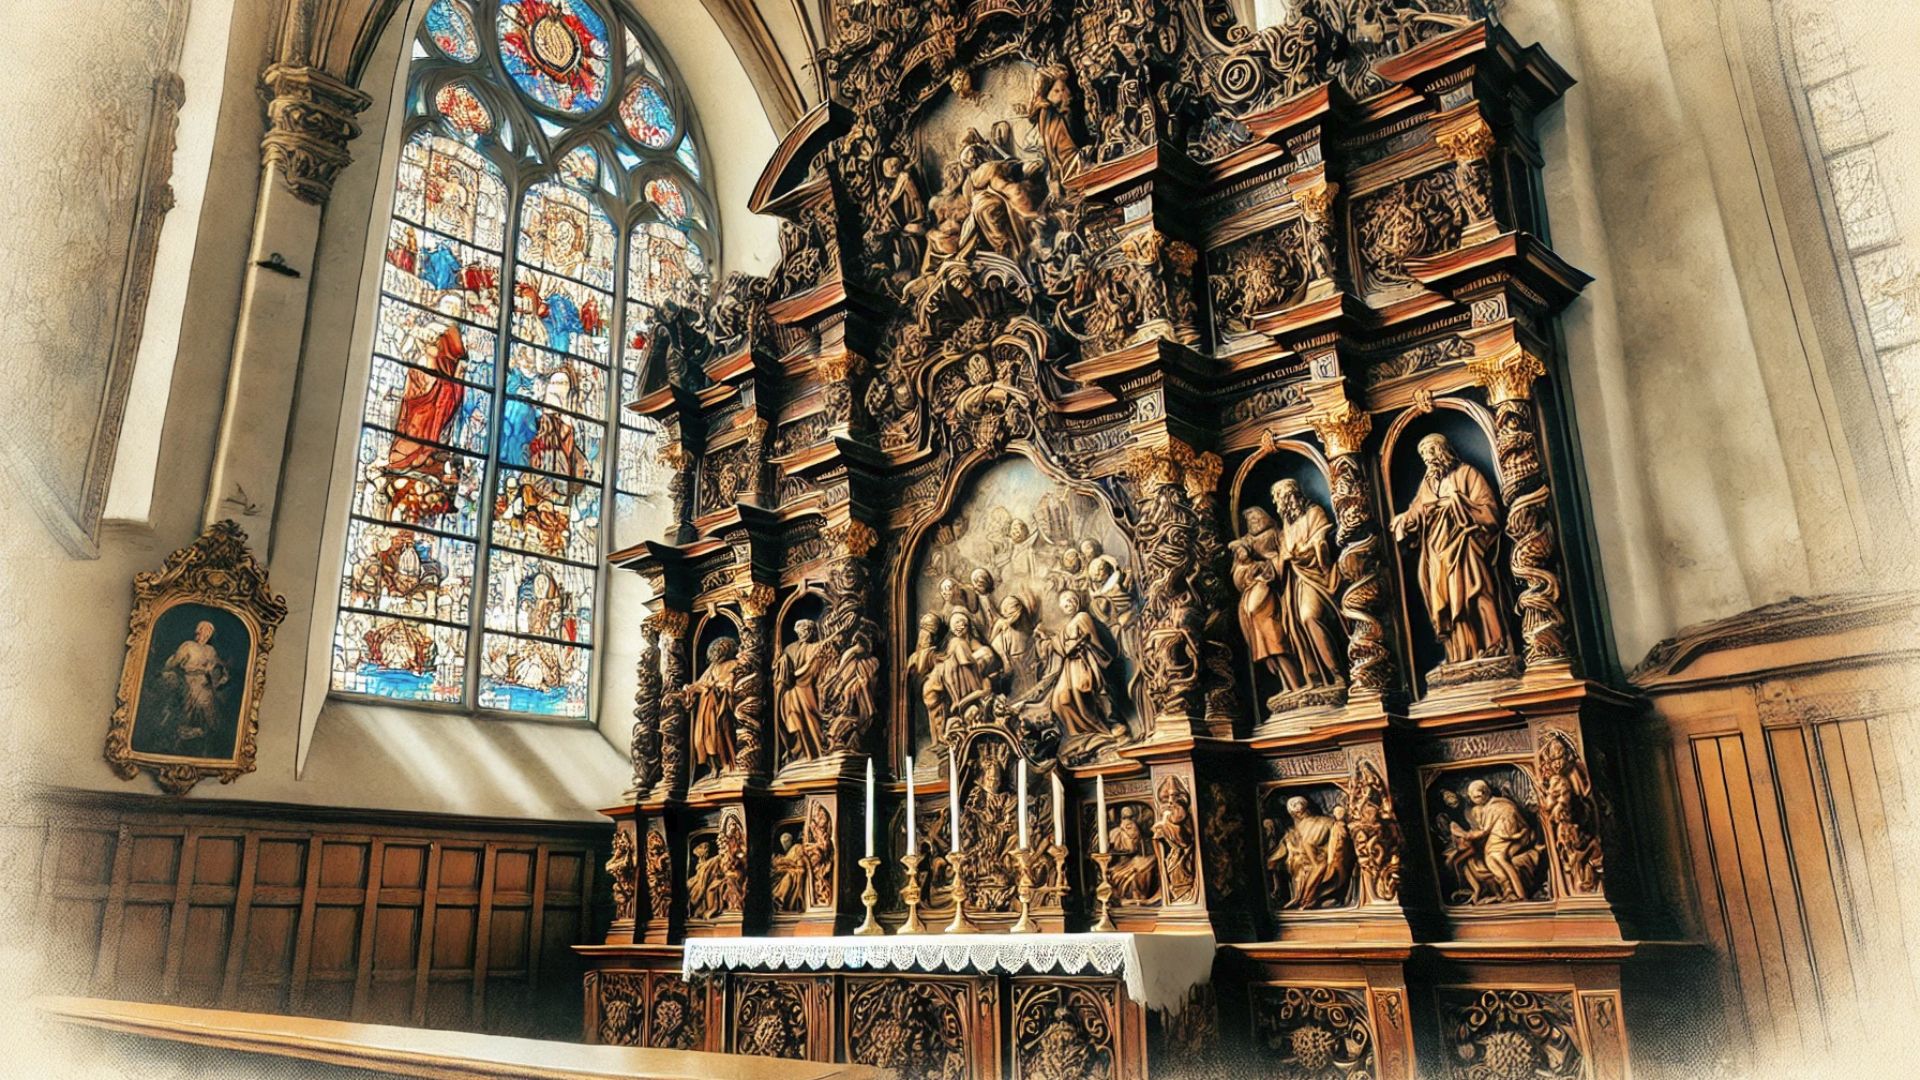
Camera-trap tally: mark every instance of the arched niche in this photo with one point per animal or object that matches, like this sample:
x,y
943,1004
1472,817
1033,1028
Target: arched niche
x,y
1468,429
1321,684
801,674
713,626
1036,534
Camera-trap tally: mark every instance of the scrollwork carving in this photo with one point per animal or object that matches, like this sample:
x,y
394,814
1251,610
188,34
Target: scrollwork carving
x,y
1314,1032
1376,834
916,1027
1410,219
1064,1029
1502,1034
770,1019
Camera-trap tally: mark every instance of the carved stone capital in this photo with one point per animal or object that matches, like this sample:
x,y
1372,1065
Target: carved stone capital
x,y
1343,427
310,122
853,540
1507,375
673,456
670,623
756,600
1174,462
1471,141
1316,201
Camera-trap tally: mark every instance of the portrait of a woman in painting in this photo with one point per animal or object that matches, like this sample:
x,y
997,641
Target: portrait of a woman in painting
x,y
194,687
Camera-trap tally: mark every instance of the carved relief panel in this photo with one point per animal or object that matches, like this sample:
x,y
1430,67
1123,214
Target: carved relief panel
x,y
780,1016
922,1027
1313,1032
1491,1034
1486,834
1069,1029
1135,870
1023,604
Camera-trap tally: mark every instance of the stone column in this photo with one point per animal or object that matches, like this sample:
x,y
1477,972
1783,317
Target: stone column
x,y
644,747
673,703
1343,429
1508,378
850,691
750,686
311,115
1188,668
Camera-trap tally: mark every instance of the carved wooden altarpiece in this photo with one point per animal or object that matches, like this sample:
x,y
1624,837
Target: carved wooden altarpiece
x,y
1141,398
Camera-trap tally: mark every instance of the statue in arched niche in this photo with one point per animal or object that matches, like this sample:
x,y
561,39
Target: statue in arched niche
x,y
796,687
1284,569
1454,520
713,706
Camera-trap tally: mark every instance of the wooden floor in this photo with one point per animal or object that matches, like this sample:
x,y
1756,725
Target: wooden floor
x,y
401,1051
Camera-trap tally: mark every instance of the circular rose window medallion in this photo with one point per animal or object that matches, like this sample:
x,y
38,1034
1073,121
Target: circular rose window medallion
x,y
556,52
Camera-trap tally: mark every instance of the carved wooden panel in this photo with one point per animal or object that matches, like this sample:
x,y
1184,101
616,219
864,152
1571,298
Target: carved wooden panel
x,y
923,1027
1313,1032
380,920
1074,1029
1494,1034
781,1016
678,1013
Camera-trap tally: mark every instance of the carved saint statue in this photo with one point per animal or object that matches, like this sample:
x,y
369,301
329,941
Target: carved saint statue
x,y
1050,111
1079,698
1133,876
1315,856
1003,204
796,677
713,702
703,883
818,846
789,876
1304,585
966,670
1012,640
1173,831
1499,858
1456,517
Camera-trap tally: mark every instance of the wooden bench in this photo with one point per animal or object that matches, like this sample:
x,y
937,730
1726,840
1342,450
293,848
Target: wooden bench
x,y
405,1051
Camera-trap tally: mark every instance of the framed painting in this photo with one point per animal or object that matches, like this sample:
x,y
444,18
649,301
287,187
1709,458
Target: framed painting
x,y
196,665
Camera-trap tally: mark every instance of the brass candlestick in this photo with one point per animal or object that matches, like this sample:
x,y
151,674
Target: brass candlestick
x,y
870,897
960,924
1103,892
910,894
1058,890
1024,859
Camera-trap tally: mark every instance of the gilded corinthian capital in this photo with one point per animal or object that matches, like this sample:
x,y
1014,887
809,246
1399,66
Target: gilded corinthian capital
x,y
311,121
1342,426
1507,375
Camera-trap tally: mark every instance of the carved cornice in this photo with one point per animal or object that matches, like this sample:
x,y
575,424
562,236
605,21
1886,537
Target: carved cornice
x,y
310,122
1507,375
1793,619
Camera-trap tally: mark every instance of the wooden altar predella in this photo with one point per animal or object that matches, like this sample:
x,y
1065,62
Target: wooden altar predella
x,y
1146,399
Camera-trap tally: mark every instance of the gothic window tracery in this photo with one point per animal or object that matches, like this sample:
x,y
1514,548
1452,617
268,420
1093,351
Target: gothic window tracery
x,y
548,206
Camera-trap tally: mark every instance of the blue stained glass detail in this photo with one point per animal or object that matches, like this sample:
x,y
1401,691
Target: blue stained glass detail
x,y
450,25
646,115
556,52
689,156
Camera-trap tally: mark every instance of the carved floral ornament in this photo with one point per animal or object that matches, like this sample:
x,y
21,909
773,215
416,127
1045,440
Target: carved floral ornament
x,y
1471,141
310,122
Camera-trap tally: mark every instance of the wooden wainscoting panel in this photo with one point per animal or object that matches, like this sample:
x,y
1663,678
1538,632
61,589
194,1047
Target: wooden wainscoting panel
x,y
382,919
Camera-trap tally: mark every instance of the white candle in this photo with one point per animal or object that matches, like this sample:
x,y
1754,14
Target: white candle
x,y
953,798
913,833
1023,804
1100,812
1059,810
869,808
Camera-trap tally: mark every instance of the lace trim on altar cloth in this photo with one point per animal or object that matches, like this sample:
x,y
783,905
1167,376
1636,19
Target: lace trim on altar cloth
x,y
1158,969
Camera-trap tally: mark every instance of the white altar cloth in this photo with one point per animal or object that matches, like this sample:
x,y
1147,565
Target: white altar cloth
x,y
1159,969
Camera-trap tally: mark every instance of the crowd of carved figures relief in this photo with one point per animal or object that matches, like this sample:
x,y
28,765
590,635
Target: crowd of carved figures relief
x,y
1009,464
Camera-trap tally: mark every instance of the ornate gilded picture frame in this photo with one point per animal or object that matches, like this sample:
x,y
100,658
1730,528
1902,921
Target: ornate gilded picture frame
x,y
196,665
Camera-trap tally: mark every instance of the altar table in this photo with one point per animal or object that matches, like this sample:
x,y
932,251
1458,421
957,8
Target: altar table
x,y
1158,969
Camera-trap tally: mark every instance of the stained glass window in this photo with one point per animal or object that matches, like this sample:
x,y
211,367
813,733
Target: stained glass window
x,y
512,325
